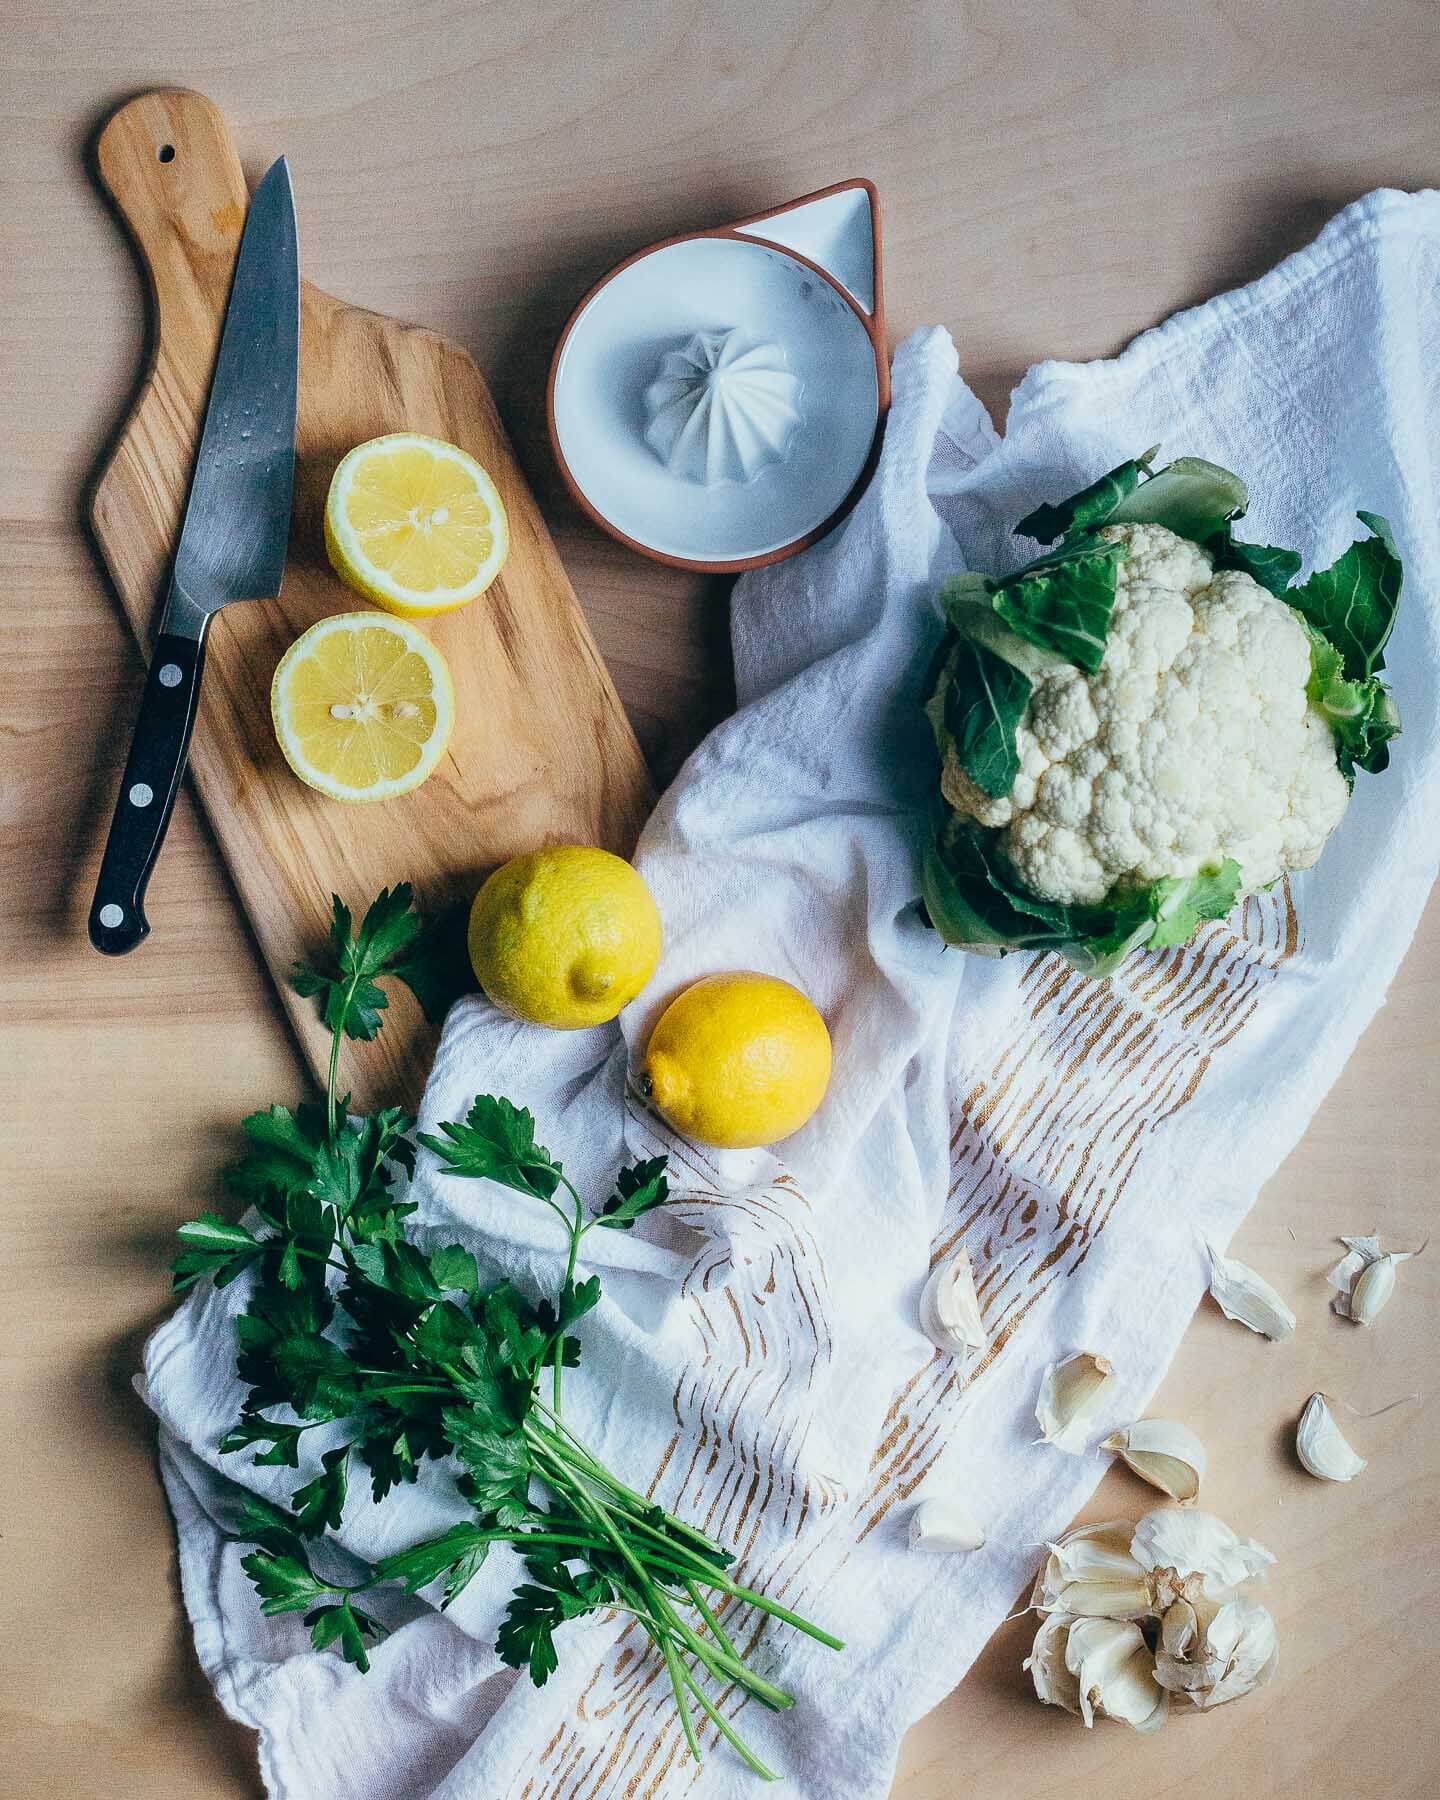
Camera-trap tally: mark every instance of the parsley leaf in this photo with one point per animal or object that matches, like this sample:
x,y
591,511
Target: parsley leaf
x,y
497,1464
319,1379
457,1554
255,1520
252,1429
518,1333
284,1581
526,1639
214,1247
639,1189
351,1000
453,1268
497,1142
349,1626
319,1504
436,968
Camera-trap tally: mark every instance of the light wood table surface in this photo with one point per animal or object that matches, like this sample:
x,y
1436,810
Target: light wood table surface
x,y
1053,178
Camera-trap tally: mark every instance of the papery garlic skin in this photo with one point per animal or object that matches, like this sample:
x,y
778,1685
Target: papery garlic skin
x,y
1115,1671
950,1308
1090,1573
1071,1393
1248,1298
939,1525
1321,1446
1216,1653
1163,1452
1191,1543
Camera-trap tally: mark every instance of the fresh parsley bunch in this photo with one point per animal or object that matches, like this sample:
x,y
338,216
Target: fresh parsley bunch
x,y
349,1321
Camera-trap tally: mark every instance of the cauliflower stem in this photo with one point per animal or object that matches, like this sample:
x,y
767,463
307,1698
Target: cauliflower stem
x,y
1148,719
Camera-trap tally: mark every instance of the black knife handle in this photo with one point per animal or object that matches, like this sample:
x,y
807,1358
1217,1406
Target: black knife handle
x,y
147,793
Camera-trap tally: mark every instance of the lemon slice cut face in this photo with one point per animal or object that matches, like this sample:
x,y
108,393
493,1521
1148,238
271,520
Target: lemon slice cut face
x,y
414,524
362,706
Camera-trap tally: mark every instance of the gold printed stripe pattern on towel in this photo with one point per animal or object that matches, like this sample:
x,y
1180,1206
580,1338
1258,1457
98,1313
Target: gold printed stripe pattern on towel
x,y
1045,1145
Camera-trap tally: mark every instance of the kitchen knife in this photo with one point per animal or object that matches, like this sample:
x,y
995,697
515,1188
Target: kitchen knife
x,y
232,544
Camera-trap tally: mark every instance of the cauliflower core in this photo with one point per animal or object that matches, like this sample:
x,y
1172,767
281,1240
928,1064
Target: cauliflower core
x,y
1194,742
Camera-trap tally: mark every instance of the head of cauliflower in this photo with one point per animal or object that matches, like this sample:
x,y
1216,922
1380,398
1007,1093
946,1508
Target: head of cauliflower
x,y
1194,742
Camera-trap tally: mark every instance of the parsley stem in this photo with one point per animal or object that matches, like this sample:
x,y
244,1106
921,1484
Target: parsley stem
x,y
727,1731
577,1231
580,1452
679,1680
697,1600
336,1033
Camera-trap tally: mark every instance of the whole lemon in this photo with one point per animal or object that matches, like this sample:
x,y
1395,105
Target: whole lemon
x,y
737,1061
565,936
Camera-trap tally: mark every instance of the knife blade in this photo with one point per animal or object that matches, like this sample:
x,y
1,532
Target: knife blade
x,y
231,547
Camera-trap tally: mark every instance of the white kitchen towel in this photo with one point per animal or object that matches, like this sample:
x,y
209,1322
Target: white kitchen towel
x,y
756,1360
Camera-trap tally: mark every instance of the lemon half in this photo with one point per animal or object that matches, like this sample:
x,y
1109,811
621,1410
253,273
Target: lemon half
x,y
362,706
737,1061
415,525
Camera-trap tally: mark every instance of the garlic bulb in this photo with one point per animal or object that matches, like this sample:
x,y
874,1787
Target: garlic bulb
x,y
1166,1454
1216,1653
1108,1592
1248,1298
1070,1395
1365,1278
950,1307
1321,1446
939,1525
1090,1572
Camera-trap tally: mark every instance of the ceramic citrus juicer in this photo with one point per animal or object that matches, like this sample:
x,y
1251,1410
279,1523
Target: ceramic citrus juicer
x,y
715,401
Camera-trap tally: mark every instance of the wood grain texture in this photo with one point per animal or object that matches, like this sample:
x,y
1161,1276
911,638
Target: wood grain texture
x,y
1054,179
542,751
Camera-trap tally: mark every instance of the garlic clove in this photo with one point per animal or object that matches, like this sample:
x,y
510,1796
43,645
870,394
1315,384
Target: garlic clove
x,y
1197,1544
939,1525
1358,1268
1216,1654
950,1308
1248,1298
1321,1446
1163,1452
1115,1671
1054,1682
1091,1573
1373,1287
1071,1393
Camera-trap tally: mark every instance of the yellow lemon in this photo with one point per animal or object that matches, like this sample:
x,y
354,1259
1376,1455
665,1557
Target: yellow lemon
x,y
565,936
362,706
415,525
737,1061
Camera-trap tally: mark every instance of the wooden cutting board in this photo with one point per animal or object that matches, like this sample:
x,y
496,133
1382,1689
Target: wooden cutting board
x,y
542,751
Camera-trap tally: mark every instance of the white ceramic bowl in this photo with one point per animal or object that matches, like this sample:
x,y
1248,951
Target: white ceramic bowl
x,y
655,302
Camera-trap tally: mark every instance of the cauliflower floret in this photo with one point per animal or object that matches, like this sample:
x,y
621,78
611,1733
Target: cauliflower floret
x,y
1194,741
